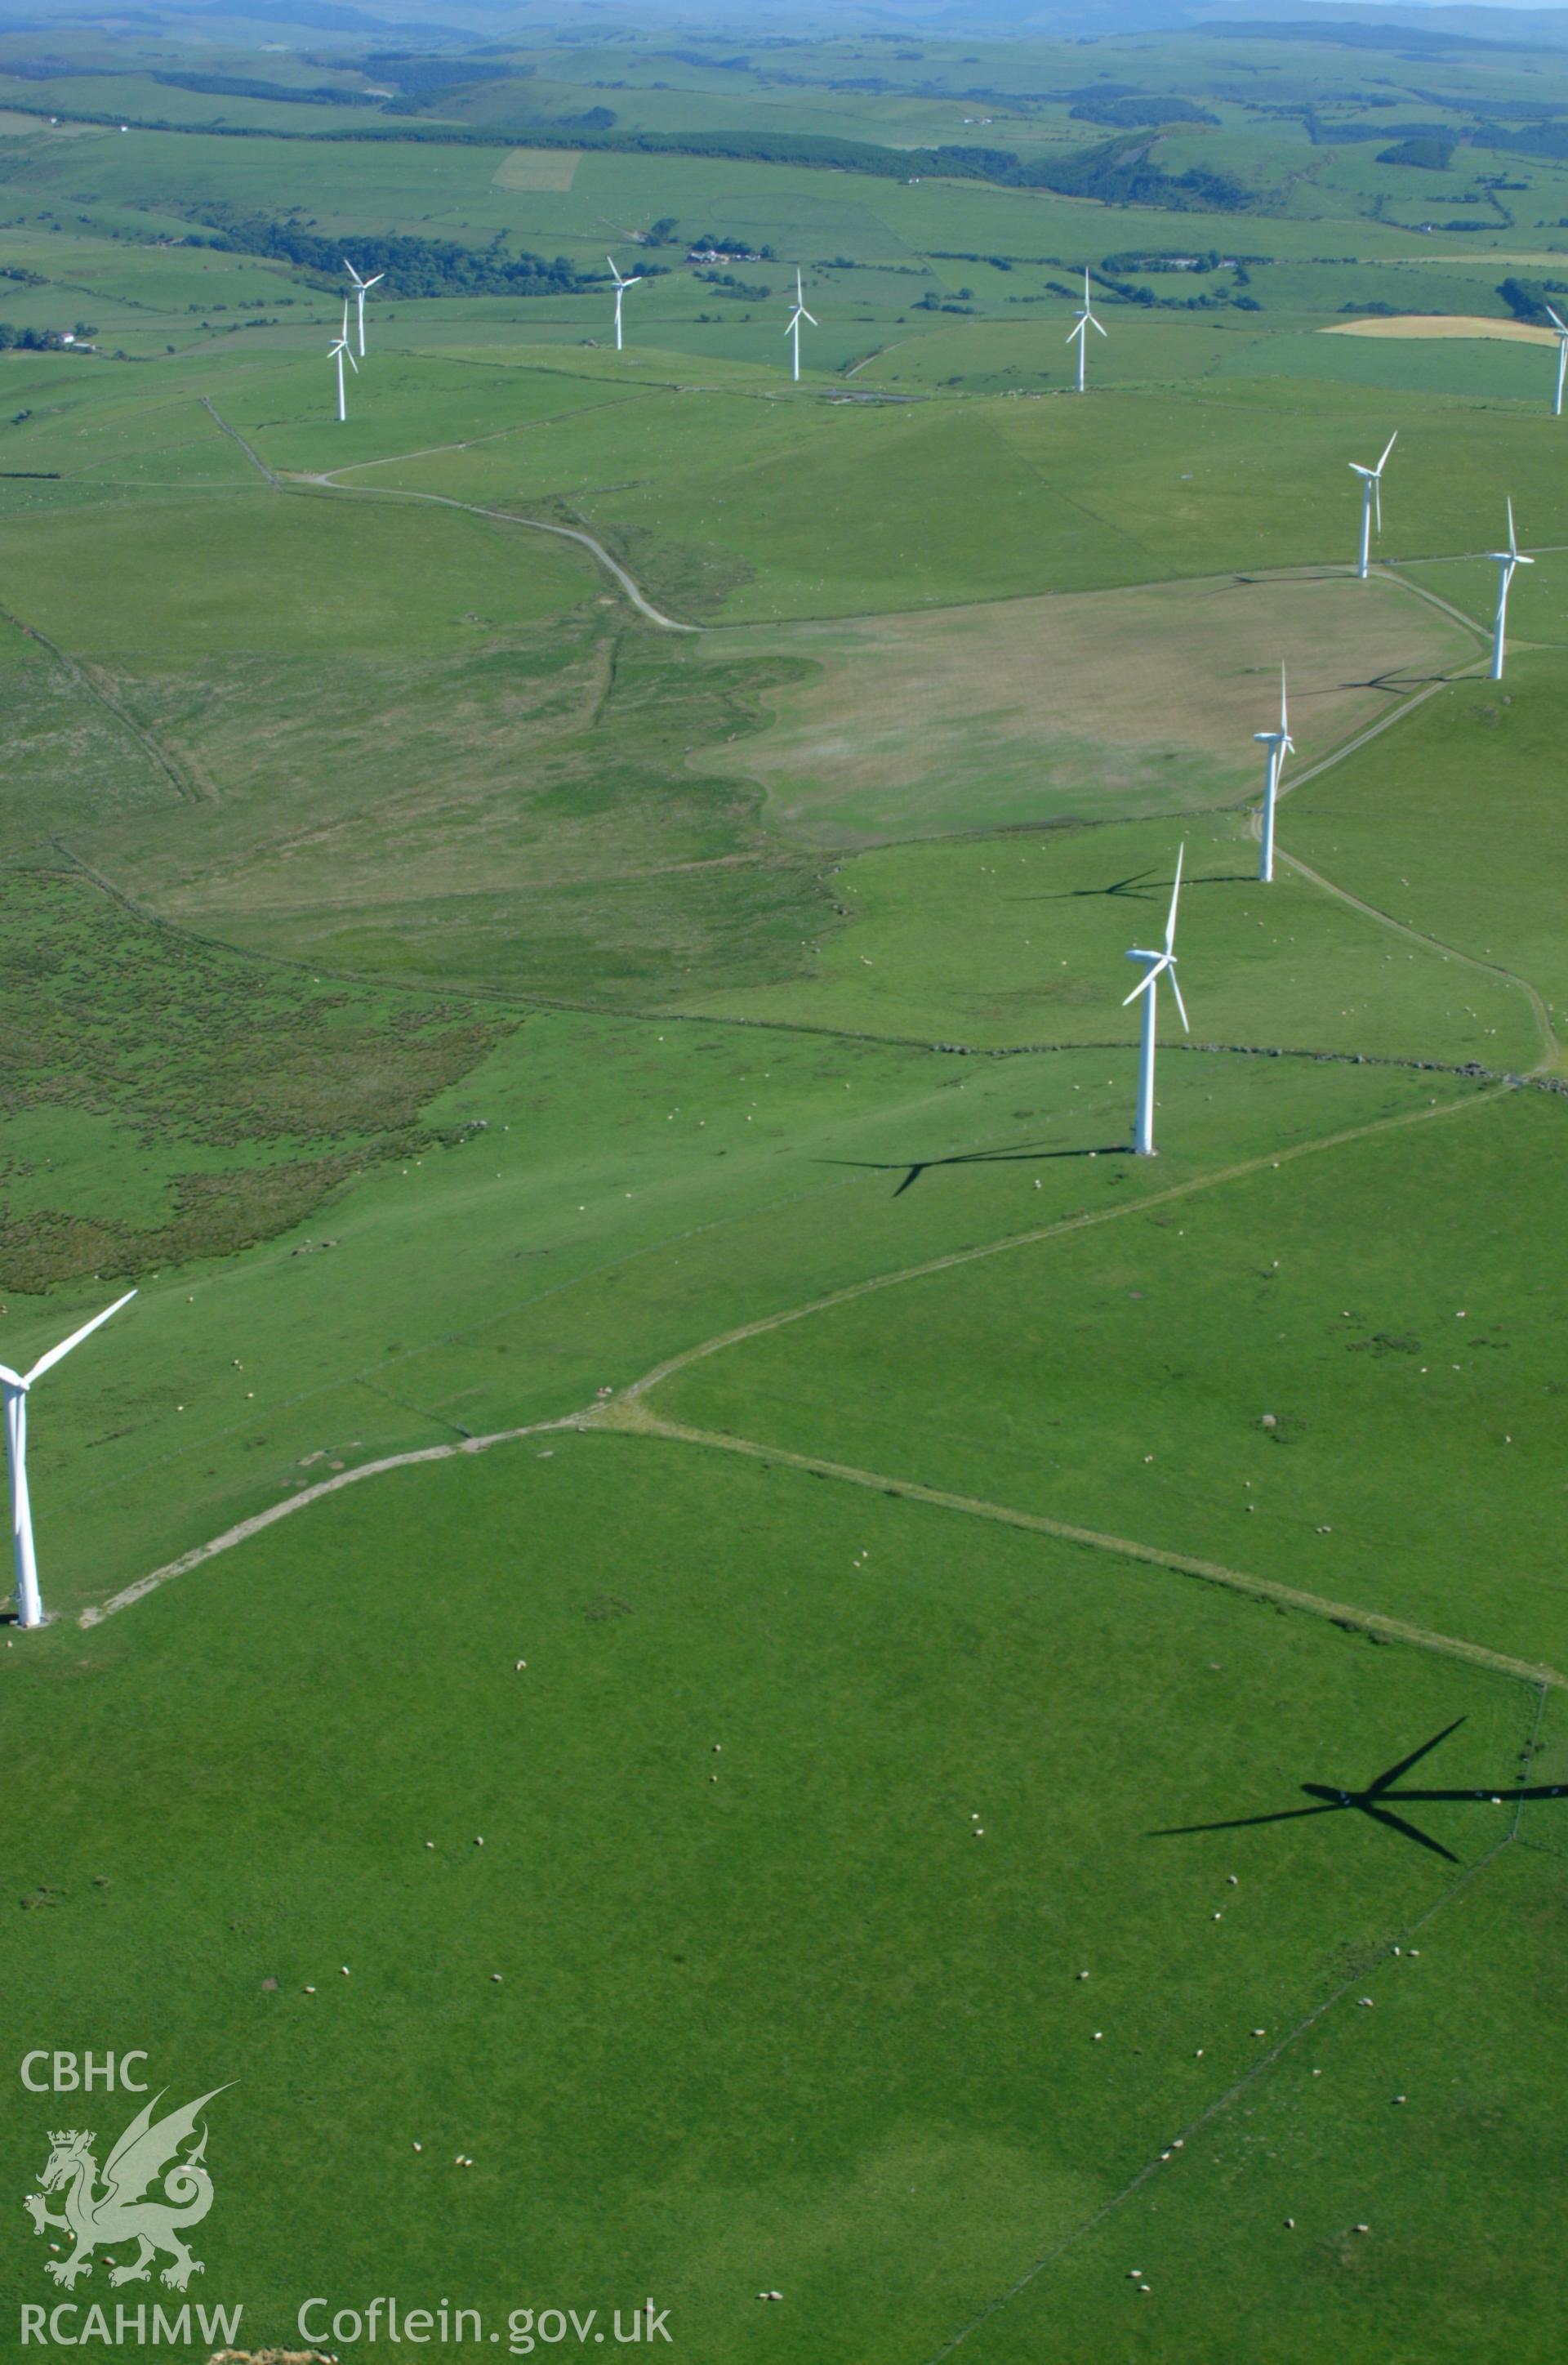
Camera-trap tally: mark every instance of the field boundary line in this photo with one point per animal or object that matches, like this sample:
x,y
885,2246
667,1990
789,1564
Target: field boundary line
x,y
1550,1047
85,679
1221,2102
468,443
638,599
250,450
1304,570
253,1526
1086,1219
635,1420
625,1411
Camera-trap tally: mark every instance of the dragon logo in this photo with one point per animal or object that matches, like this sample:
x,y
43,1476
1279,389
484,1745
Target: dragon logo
x,y
99,2220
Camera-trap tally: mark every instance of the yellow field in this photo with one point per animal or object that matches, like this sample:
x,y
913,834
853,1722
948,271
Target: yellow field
x,y
536,168
1444,324
1096,705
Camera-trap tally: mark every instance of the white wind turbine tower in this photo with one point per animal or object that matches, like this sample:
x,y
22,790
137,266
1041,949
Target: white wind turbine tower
x,y
1372,492
621,287
1162,964
1086,321
1279,743
29,1607
339,352
1562,329
796,317
362,288
1507,561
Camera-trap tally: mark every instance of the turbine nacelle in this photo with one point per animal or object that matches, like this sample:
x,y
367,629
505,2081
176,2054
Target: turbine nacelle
x,y
340,345
1085,318
1162,963
799,312
1513,556
1373,477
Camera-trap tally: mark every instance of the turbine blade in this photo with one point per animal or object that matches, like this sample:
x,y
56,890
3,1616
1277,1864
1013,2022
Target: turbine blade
x,y
1094,323
45,1363
1377,499
1394,1772
12,1379
376,281
1180,1004
1284,718
809,316
1513,539
1386,450
1175,896
1555,321
1356,469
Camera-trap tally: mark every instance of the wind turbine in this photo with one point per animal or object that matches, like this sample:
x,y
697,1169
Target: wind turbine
x,y
621,287
1086,321
1562,329
1159,964
1507,561
1372,492
339,351
1279,743
362,289
796,317
29,1607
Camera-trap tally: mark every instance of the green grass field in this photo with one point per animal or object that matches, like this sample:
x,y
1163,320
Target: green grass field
x,y
679,1540
822,2019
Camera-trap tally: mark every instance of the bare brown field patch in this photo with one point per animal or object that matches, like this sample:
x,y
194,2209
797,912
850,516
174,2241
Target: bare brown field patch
x,y
1100,705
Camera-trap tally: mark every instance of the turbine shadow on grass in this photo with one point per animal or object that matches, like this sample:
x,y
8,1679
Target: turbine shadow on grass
x,y
1296,575
912,1169
1399,684
1376,1801
1142,887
